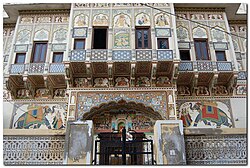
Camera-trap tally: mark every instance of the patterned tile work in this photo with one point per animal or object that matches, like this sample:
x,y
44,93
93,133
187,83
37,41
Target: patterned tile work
x,y
144,55
99,54
163,32
17,68
80,32
186,66
184,45
122,55
220,46
224,66
58,47
204,66
21,48
56,68
36,67
78,55
164,54
242,75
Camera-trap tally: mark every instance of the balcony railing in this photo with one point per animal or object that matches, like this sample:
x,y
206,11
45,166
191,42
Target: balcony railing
x,y
36,67
204,65
122,55
56,68
99,55
17,68
224,66
186,66
163,55
78,55
144,55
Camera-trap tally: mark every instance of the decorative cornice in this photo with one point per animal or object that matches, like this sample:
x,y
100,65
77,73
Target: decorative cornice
x,y
44,12
237,22
9,25
201,9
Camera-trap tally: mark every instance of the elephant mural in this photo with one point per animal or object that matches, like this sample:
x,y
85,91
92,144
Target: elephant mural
x,y
34,118
39,117
193,113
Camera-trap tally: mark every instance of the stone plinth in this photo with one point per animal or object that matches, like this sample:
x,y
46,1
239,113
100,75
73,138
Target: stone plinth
x,y
169,142
79,143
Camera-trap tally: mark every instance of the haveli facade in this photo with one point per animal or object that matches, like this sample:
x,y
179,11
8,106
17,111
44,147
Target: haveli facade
x,y
76,71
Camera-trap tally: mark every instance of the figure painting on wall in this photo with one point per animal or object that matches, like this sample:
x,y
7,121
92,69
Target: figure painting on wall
x,y
101,82
81,82
162,20
100,20
81,20
143,81
121,20
205,114
163,81
142,19
122,82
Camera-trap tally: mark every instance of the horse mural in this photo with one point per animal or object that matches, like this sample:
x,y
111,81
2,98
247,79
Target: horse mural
x,y
34,118
207,113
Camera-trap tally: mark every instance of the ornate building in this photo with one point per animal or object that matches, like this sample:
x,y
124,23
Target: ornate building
x,y
77,76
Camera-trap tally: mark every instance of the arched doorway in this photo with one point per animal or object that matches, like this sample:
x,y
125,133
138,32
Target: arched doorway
x,y
109,119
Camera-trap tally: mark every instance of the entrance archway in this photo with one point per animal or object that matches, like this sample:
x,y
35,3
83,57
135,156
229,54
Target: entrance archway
x,y
135,116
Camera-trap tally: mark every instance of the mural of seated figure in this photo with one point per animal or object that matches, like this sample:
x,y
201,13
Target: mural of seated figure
x,y
101,82
163,81
80,82
142,81
122,82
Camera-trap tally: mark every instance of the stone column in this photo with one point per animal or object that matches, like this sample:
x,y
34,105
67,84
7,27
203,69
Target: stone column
x,y
169,142
78,143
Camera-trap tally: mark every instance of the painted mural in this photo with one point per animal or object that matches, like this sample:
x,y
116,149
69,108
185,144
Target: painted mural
x,y
162,20
100,20
40,116
142,19
81,20
122,21
121,39
213,114
156,100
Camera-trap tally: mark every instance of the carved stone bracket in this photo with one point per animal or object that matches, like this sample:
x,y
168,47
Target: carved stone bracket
x,y
132,77
110,75
212,85
194,84
232,84
153,74
29,86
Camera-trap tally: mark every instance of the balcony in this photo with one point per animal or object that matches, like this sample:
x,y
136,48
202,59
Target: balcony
x,y
36,68
165,55
78,55
186,66
122,55
204,65
17,69
99,55
56,68
224,66
143,55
